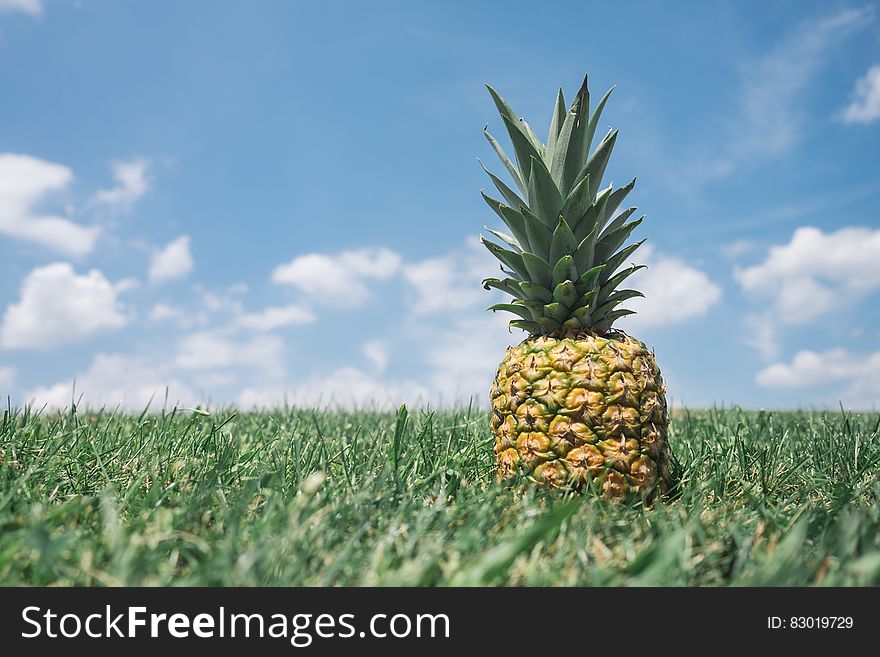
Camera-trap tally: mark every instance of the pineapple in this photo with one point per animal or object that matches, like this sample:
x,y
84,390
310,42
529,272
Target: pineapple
x,y
578,403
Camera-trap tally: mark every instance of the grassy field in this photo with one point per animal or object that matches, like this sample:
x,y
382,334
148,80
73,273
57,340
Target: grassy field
x,y
298,497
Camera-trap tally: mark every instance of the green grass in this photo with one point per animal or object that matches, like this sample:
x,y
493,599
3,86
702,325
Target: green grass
x,y
298,497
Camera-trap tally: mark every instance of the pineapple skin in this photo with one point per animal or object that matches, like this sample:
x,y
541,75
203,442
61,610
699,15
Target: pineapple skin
x,y
573,409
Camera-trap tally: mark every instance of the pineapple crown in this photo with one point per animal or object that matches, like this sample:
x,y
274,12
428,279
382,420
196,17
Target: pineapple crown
x,y
564,247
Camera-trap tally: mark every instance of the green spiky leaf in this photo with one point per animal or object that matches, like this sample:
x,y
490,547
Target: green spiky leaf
x,y
555,125
618,259
535,292
563,242
611,284
556,310
531,327
512,308
507,285
609,243
583,315
545,201
516,223
583,255
578,146
564,269
619,220
513,260
599,160
538,269
507,239
515,122
507,112
539,234
566,294
512,198
605,323
589,278
567,158
594,120
617,197
548,324
525,150
623,295
592,219
577,202
511,168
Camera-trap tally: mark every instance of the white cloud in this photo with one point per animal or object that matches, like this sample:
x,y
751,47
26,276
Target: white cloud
x,y
762,334
378,353
208,350
454,364
7,378
346,388
162,312
32,7
130,382
203,367
737,249
276,317
810,369
171,262
674,291
225,303
865,107
450,282
211,308
815,272
338,279
57,307
462,359
25,182
131,184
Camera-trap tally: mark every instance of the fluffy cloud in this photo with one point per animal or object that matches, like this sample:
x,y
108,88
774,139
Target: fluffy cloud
x,y
344,388
865,107
450,282
112,380
58,306
171,262
7,377
762,334
205,366
25,182
131,184
338,279
276,317
378,353
32,7
162,312
737,249
462,360
208,350
815,272
810,368
674,291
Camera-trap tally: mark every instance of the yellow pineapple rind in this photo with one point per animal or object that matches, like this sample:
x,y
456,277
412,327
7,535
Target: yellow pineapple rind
x,y
573,410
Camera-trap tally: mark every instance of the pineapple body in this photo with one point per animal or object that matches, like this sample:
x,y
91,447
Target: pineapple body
x,y
582,411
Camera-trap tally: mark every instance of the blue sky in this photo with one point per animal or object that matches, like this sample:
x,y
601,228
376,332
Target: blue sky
x,y
257,202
